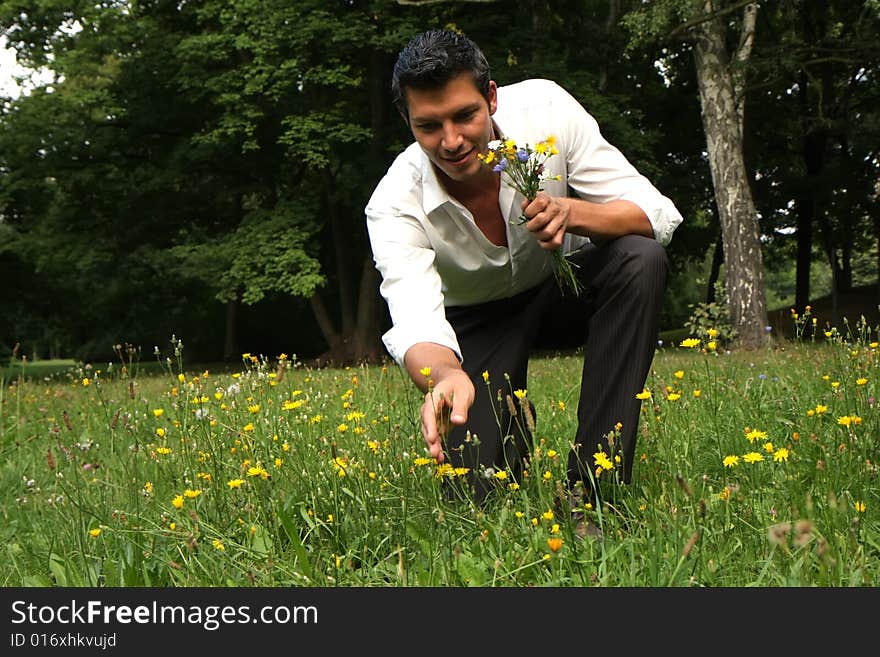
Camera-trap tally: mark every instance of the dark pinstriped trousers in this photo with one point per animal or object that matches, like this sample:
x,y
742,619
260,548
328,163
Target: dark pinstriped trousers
x,y
617,314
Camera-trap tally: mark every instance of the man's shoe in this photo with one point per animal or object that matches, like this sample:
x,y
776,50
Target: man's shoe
x,y
575,505
586,529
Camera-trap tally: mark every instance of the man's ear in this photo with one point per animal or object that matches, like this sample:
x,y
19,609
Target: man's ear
x,y
493,97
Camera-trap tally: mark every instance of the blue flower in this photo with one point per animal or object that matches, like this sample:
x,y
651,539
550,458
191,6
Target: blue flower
x,y
522,155
501,166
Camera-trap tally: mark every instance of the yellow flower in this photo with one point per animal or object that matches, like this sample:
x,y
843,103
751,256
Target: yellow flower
x,y
486,376
644,394
177,502
697,393
249,427
160,432
731,461
235,483
157,412
678,374
218,544
548,475
755,434
862,381
601,459
501,475
711,345
257,471
425,372
555,544
164,451
845,421
690,343
86,382
547,515
561,405
148,487
768,447
780,455
712,333
859,506
520,394
191,494
753,457
95,533
674,396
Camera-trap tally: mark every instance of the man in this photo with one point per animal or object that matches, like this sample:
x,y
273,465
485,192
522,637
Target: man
x,y
468,286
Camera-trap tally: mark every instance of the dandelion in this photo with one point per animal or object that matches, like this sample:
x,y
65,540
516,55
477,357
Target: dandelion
x,y
601,459
753,457
755,434
859,506
218,545
697,393
731,461
554,543
95,533
501,475
486,376
425,372
191,494
861,381
520,394
158,412
258,471
235,483
547,515
780,455
673,396
678,374
160,432
177,502
689,343
644,394
164,451
86,382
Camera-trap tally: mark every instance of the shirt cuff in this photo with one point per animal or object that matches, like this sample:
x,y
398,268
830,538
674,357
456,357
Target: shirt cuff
x,y
400,338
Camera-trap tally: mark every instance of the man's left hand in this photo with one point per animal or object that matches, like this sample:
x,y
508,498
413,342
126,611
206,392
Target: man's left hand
x,y
547,219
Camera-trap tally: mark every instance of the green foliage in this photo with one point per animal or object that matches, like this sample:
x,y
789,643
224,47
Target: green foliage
x,y
715,314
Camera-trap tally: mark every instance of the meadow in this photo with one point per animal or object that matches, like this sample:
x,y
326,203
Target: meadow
x,y
754,469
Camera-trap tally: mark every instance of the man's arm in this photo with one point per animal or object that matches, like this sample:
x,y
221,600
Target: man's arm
x,y
551,217
449,392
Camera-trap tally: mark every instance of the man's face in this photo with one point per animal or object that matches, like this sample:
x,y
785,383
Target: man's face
x,y
453,124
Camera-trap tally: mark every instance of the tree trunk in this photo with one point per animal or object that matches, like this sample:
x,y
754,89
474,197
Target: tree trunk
x,y
715,271
230,339
722,122
367,345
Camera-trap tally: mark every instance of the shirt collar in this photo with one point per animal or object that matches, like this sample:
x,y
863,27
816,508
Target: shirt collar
x,y
434,194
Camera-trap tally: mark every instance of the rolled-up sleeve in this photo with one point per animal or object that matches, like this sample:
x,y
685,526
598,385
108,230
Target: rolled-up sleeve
x,y
410,283
599,172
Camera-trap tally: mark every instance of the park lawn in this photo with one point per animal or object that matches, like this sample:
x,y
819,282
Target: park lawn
x,y
753,469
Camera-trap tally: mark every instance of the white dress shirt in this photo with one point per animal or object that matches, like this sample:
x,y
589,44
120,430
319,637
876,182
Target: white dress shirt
x,y
429,250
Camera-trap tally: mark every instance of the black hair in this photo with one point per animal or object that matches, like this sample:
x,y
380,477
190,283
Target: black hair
x,y
433,58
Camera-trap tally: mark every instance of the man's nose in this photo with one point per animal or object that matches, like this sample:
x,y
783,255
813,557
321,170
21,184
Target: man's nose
x,y
452,138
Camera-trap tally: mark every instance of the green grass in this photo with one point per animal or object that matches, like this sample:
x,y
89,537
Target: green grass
x,y
282,475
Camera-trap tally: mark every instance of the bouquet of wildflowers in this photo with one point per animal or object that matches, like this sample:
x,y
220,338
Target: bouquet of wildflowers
x,y
525,172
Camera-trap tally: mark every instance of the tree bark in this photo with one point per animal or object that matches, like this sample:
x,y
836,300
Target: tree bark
x,y
230,339
723,122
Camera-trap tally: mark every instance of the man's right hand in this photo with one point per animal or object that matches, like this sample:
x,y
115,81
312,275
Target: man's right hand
x,y
446,405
